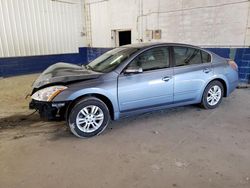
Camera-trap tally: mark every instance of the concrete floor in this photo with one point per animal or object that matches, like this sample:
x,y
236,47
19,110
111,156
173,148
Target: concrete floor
x,y
179,147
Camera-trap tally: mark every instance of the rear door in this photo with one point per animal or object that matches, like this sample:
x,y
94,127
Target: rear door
x,y
152,87
192,69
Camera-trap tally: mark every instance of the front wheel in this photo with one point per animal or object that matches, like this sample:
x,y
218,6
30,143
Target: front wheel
x,y
88,117
212,95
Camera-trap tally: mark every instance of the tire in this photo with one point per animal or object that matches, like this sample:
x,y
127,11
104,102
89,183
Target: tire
x,y
88,117
212,95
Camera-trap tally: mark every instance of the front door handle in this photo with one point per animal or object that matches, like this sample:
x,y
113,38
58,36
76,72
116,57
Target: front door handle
x,y
206,70
166,78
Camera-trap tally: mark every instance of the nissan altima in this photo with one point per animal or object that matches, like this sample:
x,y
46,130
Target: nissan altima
x,y
130,80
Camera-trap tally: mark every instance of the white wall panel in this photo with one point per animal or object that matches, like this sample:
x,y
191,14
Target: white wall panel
x,y
199,22
40,27
99,13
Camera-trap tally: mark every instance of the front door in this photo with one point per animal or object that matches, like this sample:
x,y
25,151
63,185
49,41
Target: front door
x,y
152,87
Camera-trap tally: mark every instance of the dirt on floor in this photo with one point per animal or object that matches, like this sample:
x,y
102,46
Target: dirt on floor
x,y
177,147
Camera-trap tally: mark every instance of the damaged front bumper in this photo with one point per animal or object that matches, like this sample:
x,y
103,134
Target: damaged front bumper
x,y
50,110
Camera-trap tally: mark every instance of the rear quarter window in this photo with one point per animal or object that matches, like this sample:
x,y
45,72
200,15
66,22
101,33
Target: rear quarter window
x,y
206,57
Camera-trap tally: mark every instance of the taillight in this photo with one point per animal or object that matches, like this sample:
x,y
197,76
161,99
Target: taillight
x,y
233,65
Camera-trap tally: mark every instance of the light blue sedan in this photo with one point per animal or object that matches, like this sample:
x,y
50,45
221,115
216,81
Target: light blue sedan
x,y
130,80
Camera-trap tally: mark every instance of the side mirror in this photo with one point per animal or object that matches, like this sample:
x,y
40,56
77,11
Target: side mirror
x,y
133,70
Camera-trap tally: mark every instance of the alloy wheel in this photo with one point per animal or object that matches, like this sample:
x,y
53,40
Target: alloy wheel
x,y
214,95
90,118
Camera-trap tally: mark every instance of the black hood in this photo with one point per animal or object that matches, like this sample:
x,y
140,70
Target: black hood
x,y
62,73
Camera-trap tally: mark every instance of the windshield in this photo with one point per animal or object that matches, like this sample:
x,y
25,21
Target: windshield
x,y
111,59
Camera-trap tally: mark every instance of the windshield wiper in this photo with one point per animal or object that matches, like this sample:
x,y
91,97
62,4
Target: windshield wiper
x,y
87,67
90,68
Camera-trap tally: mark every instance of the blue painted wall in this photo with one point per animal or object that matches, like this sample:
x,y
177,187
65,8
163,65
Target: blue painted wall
x,y
241,56
33,64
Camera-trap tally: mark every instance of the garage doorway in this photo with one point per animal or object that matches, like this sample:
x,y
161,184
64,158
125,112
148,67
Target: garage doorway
x,y
124,37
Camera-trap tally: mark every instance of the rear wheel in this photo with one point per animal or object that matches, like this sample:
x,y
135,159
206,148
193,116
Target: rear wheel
x,y
88,117
212,95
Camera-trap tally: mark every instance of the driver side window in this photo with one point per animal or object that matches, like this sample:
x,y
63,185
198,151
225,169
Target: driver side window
x,y
156,58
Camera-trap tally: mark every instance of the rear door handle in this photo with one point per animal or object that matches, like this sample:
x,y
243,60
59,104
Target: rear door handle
x,y
166,78
206,70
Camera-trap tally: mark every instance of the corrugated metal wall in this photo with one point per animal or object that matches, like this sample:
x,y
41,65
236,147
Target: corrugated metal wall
x,y
40,27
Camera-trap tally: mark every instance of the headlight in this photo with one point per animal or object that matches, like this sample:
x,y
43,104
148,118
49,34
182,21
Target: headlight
x,y
48,93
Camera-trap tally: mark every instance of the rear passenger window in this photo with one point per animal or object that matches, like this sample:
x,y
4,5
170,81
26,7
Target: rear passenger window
x,y
187,56
206,57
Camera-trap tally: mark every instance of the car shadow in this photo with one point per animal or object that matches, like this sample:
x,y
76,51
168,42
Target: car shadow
x,y
159,114
59,129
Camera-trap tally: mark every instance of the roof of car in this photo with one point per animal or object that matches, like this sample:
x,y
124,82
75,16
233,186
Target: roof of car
x,y
151,44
